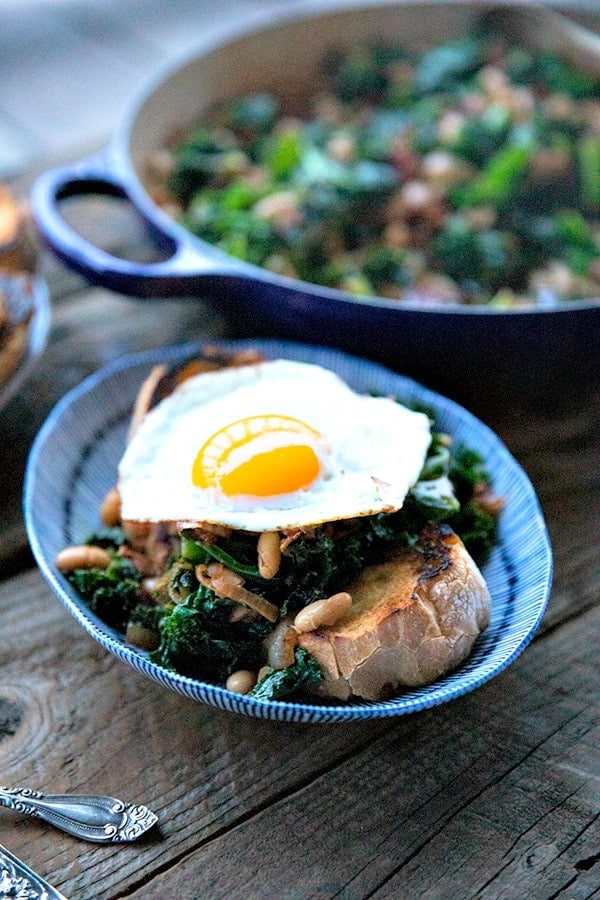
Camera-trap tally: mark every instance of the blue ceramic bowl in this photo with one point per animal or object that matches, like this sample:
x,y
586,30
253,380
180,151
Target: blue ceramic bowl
x,y
73,464
469,353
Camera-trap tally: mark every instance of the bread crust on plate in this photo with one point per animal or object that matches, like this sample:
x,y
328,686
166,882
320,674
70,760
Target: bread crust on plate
x,y
413,618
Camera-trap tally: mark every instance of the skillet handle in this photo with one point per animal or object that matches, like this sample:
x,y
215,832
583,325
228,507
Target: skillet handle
x,y
185,271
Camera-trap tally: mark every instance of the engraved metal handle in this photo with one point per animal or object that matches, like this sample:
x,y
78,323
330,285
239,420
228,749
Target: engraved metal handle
x,y
19,881
90,817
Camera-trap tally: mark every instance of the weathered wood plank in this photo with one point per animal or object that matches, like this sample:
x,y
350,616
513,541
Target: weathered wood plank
x,y
499,769
496,794
78,719
559,449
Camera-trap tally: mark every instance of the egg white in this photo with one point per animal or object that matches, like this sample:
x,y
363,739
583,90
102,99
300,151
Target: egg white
x,y
372,452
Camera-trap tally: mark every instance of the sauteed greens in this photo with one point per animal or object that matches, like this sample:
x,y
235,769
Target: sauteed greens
x,y
467,174
187,628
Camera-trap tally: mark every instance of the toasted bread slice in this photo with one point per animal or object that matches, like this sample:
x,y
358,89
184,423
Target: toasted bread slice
x,y
413,618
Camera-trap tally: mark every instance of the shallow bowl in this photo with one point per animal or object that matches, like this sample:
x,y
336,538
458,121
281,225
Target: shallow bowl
x,y
73,463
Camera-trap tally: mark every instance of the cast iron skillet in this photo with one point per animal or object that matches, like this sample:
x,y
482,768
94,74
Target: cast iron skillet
x,y
470,353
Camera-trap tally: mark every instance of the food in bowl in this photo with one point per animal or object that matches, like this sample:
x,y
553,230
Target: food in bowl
x,y
274,532
467,174
18,259
16,311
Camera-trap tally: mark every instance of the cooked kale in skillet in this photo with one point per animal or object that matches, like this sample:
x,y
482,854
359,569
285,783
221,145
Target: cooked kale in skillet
x,y
469,173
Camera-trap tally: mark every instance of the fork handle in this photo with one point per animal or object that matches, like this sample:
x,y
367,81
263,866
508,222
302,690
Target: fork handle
x,y
92,818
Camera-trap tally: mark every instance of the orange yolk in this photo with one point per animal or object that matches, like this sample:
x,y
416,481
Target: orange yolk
x,y
261,456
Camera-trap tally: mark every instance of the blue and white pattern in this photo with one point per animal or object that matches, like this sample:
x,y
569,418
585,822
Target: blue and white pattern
x,y
73,463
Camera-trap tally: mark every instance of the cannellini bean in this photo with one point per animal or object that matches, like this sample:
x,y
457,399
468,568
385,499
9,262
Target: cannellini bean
x,y
269,553
481,217
151,584
442,168
281,208
110,510
556,277
521,103
342,147
82,557
323,612
241,682
397,235
264,670
493,80
485,498
160,164
416,195
282,644
329,108
450,126
437,287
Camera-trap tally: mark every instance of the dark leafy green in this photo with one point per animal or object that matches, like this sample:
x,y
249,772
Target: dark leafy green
x,y
477,527
318,194
111,593
149,617
289,683
107,538
198,551
198,638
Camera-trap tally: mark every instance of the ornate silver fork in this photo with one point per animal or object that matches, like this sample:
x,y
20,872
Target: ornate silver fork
x,y
89,817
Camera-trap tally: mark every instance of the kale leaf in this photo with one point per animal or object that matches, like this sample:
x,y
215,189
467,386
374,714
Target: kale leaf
x,y
199,552
111,593
283,684
466,470
187,648
198,638
108,538
147,616
477,528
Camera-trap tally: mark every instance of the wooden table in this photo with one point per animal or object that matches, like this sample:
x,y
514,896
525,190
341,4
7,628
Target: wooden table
x,y
496,794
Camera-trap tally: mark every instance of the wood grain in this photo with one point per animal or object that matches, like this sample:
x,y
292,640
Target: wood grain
x,y
473,789
492,791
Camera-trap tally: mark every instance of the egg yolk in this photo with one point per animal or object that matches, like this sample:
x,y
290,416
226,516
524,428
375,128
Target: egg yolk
x,y
261,456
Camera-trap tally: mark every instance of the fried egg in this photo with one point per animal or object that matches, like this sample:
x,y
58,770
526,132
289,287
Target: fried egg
x,y
270,446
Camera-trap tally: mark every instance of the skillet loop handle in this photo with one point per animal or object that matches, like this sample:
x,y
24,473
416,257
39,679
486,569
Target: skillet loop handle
x,y
181,273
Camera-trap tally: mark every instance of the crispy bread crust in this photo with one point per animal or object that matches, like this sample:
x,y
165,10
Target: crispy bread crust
x,y
413,618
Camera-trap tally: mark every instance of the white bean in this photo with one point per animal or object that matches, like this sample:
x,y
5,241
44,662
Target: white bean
x,y
110,510
269,553
241,682
82,557
323,612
